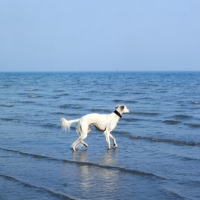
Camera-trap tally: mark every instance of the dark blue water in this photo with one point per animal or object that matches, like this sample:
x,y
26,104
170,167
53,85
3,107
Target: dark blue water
x,y
158,154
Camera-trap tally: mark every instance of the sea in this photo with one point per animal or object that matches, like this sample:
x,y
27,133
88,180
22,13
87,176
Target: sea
x,y
158,154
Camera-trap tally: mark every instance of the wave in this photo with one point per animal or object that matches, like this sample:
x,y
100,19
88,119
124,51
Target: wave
x,y
125,170
7,105
192,125
145,113
117,100
55,97
195,102
91,91
174,195
22,93
6,119
182,116
172,122
7,85
130,101
49,125
99,110
187,158
170,141
138,93
148,98
34,96
63,95
162,91
58,113
27,102
59,90
54,193
32,89
65,106
82,99
124,101
131,119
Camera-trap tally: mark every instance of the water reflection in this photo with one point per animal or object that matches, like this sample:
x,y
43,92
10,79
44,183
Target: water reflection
x,y
109,157
95,174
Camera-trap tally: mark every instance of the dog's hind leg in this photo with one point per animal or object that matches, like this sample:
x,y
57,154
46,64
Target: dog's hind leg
x,y
84,143
75,143
83,134
113,139
79,140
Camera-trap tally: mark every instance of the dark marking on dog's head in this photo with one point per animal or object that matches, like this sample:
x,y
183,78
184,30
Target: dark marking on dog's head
x,y
122,107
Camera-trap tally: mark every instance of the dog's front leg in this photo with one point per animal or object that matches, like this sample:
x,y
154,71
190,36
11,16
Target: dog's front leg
x,y
107,135
113,139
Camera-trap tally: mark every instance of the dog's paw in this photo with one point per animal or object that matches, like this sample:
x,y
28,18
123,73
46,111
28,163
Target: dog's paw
x,y
86,145
115,145
73,149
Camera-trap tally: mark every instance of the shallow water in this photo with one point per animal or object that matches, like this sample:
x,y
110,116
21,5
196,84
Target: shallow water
x,y
158,154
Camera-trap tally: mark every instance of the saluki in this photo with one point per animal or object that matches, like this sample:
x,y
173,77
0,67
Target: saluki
x,y
103,122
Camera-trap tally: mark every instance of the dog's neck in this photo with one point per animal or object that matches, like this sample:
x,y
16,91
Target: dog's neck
x,y
117,113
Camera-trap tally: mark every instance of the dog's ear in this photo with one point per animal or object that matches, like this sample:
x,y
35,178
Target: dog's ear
x,y
122,107
116,106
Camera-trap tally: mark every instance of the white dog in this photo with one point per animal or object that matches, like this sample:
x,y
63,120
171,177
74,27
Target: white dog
x,y
103,122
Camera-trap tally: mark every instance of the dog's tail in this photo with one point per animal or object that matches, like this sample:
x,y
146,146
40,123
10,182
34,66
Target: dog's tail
x,y
65,125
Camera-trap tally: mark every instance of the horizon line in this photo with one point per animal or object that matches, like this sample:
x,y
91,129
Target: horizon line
x,y
99,71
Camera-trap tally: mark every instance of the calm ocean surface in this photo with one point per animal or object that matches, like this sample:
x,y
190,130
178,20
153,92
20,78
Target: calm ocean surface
x,y
158,154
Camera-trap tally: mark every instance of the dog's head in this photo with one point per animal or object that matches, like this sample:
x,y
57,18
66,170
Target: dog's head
x,y
122,109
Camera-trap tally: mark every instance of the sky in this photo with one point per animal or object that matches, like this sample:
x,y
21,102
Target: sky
x,y
99,35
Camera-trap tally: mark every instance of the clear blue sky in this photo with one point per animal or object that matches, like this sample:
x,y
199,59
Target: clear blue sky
x,y
106,35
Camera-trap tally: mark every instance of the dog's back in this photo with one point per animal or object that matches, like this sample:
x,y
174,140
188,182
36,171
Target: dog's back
x,y
93,118
100,121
